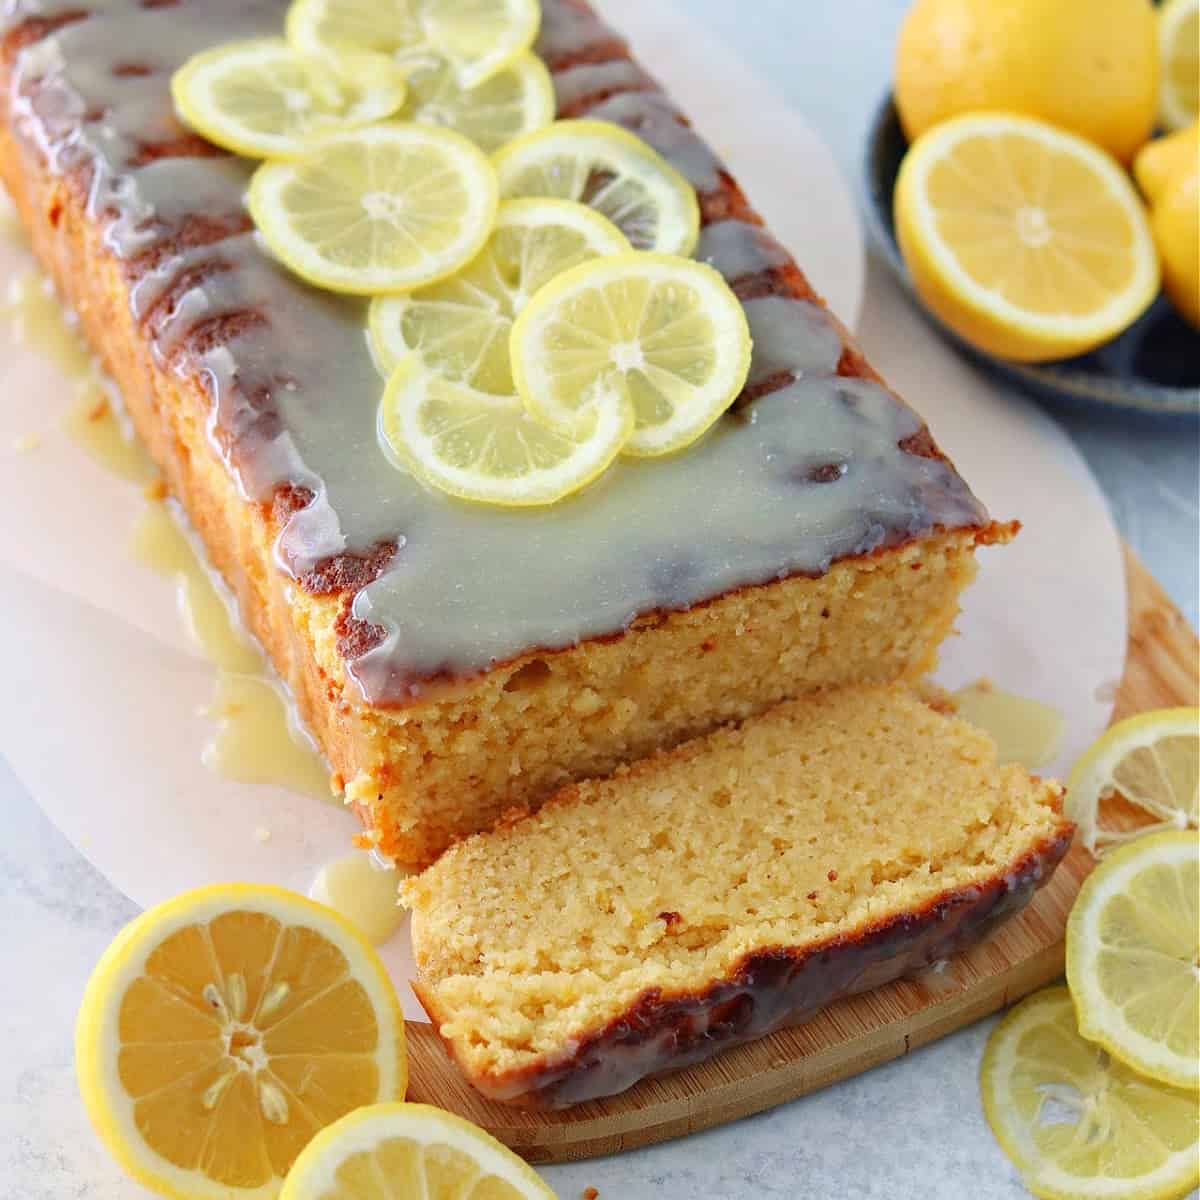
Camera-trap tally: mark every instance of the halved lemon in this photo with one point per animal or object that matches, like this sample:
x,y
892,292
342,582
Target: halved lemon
x,y
1027,241
1153,761
1133,956
664,335
612,171
1179,53
263,99
401,1150
382,209
487,448
478,37
460,327
224,1028
517,99
1077,1123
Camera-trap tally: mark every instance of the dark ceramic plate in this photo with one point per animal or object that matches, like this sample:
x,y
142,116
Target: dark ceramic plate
x,y
1152,368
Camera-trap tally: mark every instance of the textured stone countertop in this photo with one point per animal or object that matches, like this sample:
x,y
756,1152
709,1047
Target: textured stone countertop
x,y
910,1129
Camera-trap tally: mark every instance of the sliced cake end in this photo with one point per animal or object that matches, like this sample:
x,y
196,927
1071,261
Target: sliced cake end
x,y
713,893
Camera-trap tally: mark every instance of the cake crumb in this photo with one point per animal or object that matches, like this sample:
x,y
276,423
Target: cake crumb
x,y
27,442
262,834
156,489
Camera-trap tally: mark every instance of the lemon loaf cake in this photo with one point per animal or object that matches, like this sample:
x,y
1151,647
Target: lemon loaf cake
x,y
455,659
714,892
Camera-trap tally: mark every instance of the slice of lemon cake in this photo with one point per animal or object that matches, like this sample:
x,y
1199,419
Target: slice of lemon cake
x,y
715,892
454,658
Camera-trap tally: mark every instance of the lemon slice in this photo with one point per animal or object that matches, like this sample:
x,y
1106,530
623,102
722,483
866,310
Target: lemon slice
x,y
1027,241
616,173
487,448
477,37
224,1028
381,209
262,99
1153,761
518,99
1133,956
1179,52
1078,1124
664,335
460,327
394,1150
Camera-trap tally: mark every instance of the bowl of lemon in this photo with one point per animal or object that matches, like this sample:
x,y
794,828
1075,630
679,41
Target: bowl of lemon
x,y
1034,180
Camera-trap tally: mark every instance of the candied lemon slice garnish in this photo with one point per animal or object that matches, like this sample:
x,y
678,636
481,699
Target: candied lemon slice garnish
x,y
383,209
662,334
484,447
262,99
1133,949
478,37
1077,1123
1024,239
460,327
518,99
392,1150
612,171
224,1028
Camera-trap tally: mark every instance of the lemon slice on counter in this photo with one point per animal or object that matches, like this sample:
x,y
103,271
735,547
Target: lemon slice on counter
x,y
487,448
1027,241
382,209
616,173
460,327
393,1150
1153,761
662,334
1133,956
262,99
224,1028
478,37
1179,53
1078,1124
518,99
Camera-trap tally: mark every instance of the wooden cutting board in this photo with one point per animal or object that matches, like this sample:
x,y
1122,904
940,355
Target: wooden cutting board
x,y
1161,669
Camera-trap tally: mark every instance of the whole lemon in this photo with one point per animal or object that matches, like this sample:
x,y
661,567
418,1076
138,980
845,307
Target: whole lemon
x,y
1175,221
1090,66
1159,161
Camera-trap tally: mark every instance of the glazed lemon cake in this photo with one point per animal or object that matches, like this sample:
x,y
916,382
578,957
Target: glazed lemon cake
x,y
715,892
454,659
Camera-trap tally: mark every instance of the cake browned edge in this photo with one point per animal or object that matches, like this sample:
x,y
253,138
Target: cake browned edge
x,y
766,990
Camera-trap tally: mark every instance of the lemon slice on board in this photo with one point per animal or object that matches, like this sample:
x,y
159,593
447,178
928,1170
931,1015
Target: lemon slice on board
x,y
487,448
477,37
1078,1124
224,1028
460,327
382,209
1179,53
393,1150
663,334
262,99
612,171
1027,241
1133,956
518,99
1153,761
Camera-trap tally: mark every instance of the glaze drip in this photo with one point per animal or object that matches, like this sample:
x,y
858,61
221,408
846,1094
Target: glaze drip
x,y
811,471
